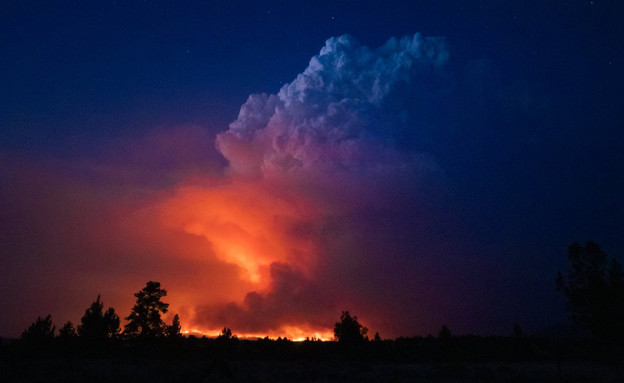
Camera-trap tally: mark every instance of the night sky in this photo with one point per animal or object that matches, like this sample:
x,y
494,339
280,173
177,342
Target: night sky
x,y
275,163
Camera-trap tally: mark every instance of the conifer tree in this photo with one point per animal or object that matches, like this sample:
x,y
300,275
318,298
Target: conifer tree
x,y
96,324
173,330
594,290
145,319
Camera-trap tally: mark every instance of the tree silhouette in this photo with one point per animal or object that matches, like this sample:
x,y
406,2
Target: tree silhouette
x,y
96,324
349,330
377,338
445,333
517,332
173,330
225,334
41,330
68,331
145,318
595,291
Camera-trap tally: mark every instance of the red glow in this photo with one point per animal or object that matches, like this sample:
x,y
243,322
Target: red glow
x,y
253,254
293,333
243,224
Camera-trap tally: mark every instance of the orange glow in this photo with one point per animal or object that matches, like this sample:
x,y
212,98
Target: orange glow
x,y
242,249
232,233
244,225
294,333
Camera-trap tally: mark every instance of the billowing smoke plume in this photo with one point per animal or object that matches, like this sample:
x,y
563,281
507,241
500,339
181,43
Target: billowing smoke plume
x,y
327,201
341,198
346,111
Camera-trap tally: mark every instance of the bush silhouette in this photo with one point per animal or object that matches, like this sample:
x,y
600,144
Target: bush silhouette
x,y
225,334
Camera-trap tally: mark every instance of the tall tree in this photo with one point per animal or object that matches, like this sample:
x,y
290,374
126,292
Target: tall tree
x,y
96,324
173,330
594,290
349,330
145,319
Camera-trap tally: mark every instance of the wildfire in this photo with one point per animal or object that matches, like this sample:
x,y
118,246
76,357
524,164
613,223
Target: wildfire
x,y
294,333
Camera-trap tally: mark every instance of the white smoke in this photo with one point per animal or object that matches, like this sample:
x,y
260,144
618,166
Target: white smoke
x,y
343,112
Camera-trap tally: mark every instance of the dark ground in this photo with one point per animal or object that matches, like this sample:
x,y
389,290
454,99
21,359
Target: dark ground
x,y
466,359
154,371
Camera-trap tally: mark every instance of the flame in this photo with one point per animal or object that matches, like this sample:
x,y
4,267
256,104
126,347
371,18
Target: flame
x,y
251,226
294,333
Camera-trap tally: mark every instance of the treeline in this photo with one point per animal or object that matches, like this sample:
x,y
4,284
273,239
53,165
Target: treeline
x,y
593,288
444,348
100,326
145,334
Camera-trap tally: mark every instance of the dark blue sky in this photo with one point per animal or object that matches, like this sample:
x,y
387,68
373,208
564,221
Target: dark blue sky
x,y
525,123
69,66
